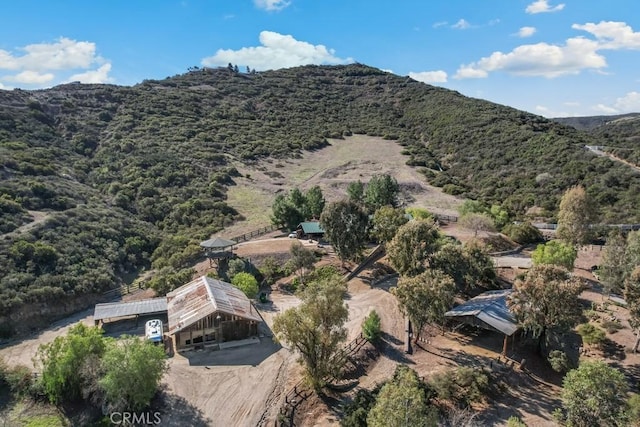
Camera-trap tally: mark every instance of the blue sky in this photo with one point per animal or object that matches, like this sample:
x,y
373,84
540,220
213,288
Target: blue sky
x,y
549,57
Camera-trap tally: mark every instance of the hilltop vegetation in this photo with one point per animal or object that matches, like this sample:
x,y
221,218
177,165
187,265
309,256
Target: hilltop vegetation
x,y
134,177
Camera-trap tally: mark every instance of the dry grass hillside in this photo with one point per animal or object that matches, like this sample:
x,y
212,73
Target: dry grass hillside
x,y
333,167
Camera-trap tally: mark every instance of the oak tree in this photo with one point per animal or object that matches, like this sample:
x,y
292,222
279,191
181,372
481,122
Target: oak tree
x,y
381,190
412,246
345,226
425,298
632,297
555,253
385,223
594,395
402,402
613,266
316,329
576,214
546,299
477,222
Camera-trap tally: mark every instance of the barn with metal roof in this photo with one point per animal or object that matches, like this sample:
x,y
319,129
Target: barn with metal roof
x,y
209,311
488,310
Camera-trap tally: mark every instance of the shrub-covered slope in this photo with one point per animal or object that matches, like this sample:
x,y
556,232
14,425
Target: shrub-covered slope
x,y
136,175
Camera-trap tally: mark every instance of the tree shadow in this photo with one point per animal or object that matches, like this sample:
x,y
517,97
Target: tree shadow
x,y
386,284
177,411
391,351
517,394
612,350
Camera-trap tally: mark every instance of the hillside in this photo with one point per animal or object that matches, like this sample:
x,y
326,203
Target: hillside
x,y
620,135
589,123
131,178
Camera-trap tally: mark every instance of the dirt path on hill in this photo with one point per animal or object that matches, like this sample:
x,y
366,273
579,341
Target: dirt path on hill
x,y
38,218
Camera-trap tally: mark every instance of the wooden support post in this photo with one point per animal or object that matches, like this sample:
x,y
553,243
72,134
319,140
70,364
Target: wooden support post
x,y
504,345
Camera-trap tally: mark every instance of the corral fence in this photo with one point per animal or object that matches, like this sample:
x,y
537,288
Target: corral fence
x,y
123,290
255,233
301,392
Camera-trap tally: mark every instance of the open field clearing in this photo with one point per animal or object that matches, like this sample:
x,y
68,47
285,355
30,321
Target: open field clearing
x,y
357,157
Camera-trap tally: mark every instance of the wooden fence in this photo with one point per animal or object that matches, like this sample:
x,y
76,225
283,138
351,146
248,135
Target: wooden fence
x,y
123,290
446,218
255,233
301,392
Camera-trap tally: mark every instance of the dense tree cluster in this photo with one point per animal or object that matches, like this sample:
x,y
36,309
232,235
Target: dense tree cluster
x,y
83,365
296,207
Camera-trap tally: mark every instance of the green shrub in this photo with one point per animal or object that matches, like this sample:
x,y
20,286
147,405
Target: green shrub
x,y
514,421
463,385
246,283
523,233
19,379
591,334
356,411
634,408
612,326
371,326
559,361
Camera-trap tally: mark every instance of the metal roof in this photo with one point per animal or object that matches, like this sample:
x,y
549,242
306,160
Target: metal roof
x,y
311,227
204,296
121,309
491,308
217,243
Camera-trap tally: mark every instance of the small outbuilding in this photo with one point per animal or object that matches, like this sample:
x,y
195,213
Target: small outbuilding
x,y
489,311
208,311
310,230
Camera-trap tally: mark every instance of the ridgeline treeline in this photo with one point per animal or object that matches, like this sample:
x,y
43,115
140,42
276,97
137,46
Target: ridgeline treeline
x,y
134,177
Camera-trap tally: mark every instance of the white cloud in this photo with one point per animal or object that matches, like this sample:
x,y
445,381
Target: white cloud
x,y
440,24
276,51
43,64
543,6
30,77
551,60
601,108
462,24
526,32
543,59
612,35
547,112
271,5
469,72
429,76
99,75
628,103
62,55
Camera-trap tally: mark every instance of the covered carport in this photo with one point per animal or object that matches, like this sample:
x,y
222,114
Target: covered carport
x,y
489,311
115,310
